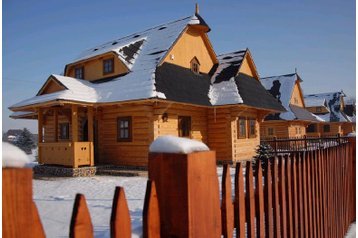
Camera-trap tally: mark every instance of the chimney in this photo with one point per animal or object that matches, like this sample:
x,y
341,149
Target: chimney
x,y
196,8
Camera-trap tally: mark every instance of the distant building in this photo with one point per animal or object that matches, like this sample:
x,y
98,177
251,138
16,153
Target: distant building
x,y
11,135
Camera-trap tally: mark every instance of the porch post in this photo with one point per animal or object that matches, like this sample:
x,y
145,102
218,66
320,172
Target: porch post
x,y
56,124
90,132
74,123
40,136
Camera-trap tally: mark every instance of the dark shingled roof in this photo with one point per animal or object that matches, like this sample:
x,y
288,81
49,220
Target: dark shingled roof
x,y
254,94
302,114
180,84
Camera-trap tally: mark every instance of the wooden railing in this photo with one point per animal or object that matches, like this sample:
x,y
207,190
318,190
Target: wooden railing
x,y
72,154
304,194
281,145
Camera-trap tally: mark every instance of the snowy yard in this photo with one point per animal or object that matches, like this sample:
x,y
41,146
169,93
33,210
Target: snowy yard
x,y
54,198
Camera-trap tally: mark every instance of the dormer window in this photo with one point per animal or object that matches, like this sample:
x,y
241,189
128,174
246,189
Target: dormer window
x,y
79,72
195,65
108,66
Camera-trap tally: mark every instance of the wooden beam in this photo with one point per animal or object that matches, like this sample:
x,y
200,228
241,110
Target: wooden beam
x,y
74,123
56,123
90,123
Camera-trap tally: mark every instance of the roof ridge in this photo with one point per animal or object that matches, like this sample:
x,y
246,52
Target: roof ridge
x,y
136,33
236,51
278,76
315,94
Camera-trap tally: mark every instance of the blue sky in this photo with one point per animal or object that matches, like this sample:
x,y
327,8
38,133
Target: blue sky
x,y
316,37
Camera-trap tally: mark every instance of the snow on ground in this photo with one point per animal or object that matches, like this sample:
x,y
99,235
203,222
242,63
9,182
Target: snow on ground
x,y
54,198
351,233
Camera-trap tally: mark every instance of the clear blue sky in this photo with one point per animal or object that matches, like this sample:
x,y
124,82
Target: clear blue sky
x,y
316,37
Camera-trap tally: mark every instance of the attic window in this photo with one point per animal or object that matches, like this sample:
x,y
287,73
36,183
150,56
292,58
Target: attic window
x,y
108,66
136,36
95,49
195,65
79,72
115,43
162,28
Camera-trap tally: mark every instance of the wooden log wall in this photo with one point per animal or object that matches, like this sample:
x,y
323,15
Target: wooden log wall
x,y
306,194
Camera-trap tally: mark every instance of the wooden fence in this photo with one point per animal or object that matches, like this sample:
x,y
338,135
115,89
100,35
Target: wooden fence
x,y
303,194
281,145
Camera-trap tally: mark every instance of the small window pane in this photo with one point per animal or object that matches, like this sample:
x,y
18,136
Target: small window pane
x,y
184,126
242,127
79,73
64,131
252,128
108,66
124,129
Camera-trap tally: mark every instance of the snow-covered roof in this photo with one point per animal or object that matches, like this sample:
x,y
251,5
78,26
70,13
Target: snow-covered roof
x,y
139,83
143,52
333,101
281,87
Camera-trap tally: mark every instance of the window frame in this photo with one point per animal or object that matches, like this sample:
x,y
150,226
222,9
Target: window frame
x,y
82,72
104,66
250,120
181,133
311,126
270,129
66,126
128,129
195,65
324,128
239,134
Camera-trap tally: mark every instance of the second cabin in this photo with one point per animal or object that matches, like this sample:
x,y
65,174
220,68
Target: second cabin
x,y
116,98
292,123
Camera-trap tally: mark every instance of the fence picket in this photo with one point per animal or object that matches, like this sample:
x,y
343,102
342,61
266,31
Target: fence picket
x,y
260,221
120,218
268,201
288,169
81,225
276,206
250,200
151,217
240,208
227,209
309,194
295,195
282,197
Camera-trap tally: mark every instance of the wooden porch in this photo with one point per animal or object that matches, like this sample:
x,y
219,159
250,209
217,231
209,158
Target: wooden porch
x,y
69,151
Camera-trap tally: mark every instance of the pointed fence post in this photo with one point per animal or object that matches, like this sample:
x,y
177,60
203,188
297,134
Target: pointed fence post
x,y
239,204
250,200
151,217
120,218
227,209
81,225
260,220
19,214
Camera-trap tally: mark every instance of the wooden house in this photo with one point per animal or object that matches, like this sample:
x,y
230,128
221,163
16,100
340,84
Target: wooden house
x,y
330,110
293,122
116,98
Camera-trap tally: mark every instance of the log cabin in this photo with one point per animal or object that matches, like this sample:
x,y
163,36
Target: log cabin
x,y
330,110
116,98
292,123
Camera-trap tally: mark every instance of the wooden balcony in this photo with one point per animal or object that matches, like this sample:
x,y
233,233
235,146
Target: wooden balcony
x,y
71,154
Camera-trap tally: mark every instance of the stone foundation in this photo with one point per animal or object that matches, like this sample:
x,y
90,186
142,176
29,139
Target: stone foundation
x,y
48,170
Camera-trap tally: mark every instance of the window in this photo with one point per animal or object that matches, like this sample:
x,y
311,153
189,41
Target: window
x,y
64,131
79,73
184,126
124,129
326,128
252,129
108,66
195,65
311,128
270,131
241,127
